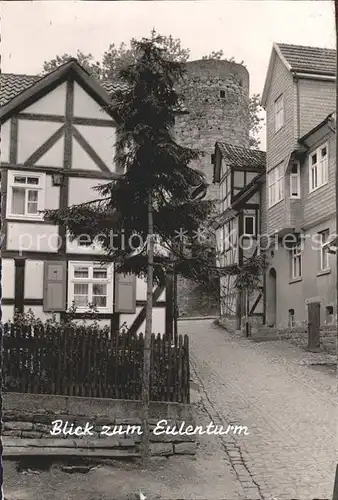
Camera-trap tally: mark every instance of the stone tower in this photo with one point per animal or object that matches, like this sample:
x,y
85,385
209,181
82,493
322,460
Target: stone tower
x,y
216,96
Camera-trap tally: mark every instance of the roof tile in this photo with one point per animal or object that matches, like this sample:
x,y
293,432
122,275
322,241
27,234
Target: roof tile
x,y
239,156
304,59
12,85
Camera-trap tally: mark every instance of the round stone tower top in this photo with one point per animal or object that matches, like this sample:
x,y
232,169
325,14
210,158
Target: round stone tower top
x,y
204,68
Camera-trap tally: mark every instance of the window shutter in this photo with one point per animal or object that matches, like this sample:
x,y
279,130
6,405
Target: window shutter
x,y
55,285
125,293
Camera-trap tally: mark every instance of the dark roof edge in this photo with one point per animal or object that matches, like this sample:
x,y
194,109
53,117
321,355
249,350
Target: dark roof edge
x,y
48,80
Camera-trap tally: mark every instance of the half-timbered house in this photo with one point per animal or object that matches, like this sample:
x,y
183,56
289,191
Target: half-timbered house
x,y
57,143
239,171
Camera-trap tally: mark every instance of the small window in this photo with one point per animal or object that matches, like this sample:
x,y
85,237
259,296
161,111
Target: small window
x,y
291,318
329,315
324,250
296,262
249,225
279,113
318,168
25,198
91,284
222,94
295,180
275,184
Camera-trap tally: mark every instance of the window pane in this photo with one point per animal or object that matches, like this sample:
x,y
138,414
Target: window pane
x,y
32,180
250,176
100,295
32,208
18,201
238,179
32,195
32,202
81,294
20,180
294,168
314,158
99,301
294,185
323,152
81,272
100,289
249,225
81,288
100,273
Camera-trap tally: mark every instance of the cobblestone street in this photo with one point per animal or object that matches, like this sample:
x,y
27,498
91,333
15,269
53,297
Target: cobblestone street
x,y
288,407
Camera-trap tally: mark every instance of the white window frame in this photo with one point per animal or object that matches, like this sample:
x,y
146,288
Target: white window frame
x,y
324,255
296,262
40,188
249,216
275,184
320,167
109,281
279,113
296,177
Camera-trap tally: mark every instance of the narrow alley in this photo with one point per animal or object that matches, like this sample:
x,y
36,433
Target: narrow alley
x,y
287,406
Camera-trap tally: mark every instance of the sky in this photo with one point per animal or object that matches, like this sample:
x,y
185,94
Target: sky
x,y
36,31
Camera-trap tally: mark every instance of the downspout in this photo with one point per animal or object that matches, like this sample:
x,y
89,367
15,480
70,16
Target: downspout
x,y
296,79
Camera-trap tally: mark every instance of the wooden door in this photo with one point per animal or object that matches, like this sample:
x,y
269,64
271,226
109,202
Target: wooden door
x,y
314,326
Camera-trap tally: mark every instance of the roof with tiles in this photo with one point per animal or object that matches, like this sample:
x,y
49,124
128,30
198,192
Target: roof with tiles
x,y
12,85
239,156
304,59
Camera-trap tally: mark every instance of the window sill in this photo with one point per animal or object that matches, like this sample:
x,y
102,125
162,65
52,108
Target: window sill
x,y
88,314
295,280
26,218
318,187
324,272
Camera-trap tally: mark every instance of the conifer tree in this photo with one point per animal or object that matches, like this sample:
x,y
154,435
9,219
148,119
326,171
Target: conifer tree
x,y
157,194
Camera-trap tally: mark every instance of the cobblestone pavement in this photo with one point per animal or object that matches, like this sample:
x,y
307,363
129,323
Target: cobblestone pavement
x,y
288,407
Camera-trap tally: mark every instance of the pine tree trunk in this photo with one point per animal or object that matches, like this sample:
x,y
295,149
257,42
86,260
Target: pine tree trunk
x,y
147,338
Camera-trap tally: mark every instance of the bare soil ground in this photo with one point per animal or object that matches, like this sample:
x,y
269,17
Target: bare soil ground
x,y
208,475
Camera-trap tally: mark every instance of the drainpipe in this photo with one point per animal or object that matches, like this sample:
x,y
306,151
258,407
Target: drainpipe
x,y
296,79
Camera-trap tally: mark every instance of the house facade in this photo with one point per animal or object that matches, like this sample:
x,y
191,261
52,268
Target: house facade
x,y
298,212
239,172
57,143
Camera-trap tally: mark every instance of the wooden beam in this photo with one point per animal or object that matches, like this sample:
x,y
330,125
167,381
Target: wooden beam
x,y
96,122
19,284
45,147
13,145
90,151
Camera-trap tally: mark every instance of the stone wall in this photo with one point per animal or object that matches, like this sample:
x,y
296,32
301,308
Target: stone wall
x,y
211,117
299,336
28,423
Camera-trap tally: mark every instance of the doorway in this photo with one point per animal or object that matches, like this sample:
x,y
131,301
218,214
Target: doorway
x,y
271,299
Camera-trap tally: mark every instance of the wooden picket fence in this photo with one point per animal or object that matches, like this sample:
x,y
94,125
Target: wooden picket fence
x,y
82,361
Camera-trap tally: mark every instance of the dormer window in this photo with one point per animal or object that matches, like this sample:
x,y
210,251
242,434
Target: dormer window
x,y
295,180
279,113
